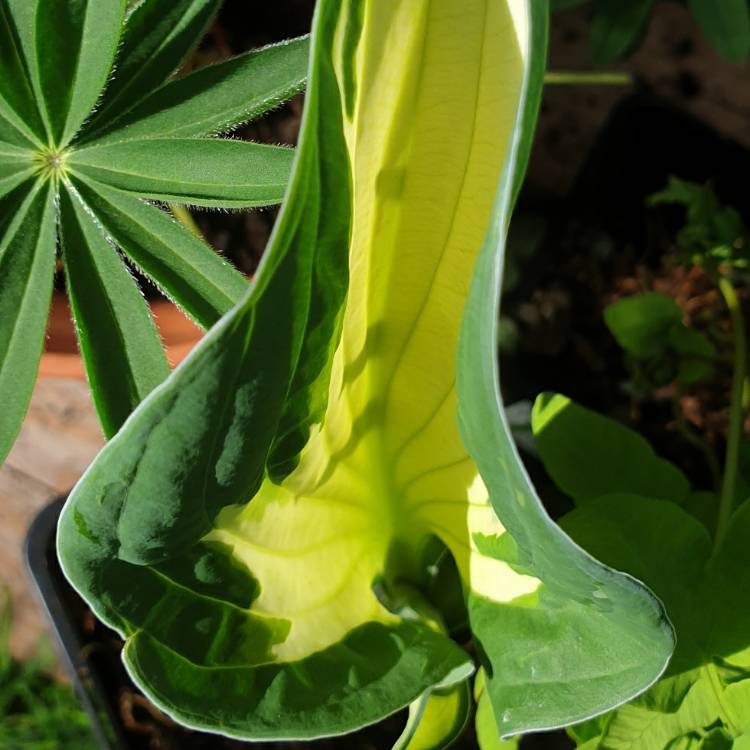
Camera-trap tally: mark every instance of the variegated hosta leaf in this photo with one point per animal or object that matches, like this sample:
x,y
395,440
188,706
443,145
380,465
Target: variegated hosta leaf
x,y
244,529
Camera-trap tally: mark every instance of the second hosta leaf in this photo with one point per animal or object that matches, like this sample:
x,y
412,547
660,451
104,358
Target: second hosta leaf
x,y
58,58
702,699
346,414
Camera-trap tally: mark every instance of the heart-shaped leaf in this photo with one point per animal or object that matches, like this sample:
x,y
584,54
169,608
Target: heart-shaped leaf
x,y
346,414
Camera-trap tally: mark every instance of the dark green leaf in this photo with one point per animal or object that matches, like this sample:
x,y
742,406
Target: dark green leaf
x,y
727,25
696,354
205,172
27,258
641,323
217,98
343,686
10,135
717,739
660,347
17,103
703,506
588,455
15,168
158,36
121,349
713,233
23,13
617,27
698,199
654,540
185,267
75,42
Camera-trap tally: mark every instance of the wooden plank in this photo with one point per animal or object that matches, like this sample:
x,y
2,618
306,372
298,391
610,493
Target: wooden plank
x,y
58,440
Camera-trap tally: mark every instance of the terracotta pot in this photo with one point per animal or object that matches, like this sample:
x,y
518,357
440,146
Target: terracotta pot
x,y
61,358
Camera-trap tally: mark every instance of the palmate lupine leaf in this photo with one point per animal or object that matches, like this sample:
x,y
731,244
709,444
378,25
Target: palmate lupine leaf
x,y
201,171
346,414
19,116
22,18
27,258
14,169
75,44
57,65
217,98
199,281
119,343
157,38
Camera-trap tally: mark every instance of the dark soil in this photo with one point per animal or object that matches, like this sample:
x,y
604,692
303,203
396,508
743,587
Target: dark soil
x,y
602,242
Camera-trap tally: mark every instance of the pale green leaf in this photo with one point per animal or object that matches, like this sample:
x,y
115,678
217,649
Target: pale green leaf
x,y
485,724
198,171
75,43
203,284
589,455
437,719
27,255
217,98
617,27
636,728
119,343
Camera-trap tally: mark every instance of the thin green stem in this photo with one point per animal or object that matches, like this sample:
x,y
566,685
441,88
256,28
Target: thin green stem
x,y
186,219
725,712
572,78
698,442
736,410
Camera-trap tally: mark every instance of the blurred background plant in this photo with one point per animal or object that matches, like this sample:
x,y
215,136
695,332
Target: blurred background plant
x,y
36,711
617,26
